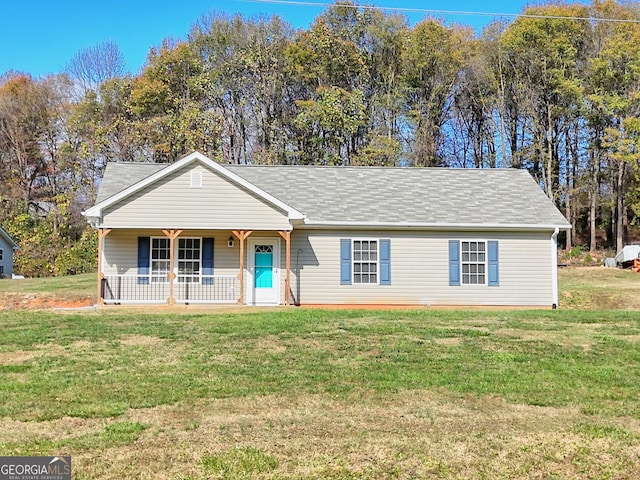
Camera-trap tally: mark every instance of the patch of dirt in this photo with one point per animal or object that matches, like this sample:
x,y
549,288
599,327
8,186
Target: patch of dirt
x,y
21,356
54,430
582,257
15,358
32,301
140,340
450,341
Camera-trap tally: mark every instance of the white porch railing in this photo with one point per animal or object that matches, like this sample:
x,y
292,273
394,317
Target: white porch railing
x,y
154,289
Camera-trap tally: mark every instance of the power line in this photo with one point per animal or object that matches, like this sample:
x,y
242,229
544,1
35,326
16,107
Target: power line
x,y
443,12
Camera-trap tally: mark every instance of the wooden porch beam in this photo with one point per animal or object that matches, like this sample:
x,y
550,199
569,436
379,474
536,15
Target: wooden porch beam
x,y
286,235
241,235
102,233
172,235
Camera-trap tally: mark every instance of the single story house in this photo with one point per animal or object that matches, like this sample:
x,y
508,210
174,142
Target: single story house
x,y
196,231
7,246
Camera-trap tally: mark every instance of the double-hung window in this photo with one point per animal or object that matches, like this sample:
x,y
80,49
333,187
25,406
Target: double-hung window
x,y
1,254
193,260
188,254
365,261
160,255
189,260
473,262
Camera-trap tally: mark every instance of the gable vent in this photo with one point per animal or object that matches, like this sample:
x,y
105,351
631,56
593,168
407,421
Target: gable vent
x,y
196,179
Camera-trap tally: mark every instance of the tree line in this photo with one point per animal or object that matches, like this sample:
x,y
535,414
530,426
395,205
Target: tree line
x,y
555,91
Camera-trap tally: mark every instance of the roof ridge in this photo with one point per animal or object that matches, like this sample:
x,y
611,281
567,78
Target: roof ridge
x,y
118,162
374,167
333,167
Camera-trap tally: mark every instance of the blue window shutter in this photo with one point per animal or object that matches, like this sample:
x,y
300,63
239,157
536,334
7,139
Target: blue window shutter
x,y
492,246
385,262
144,254
454,262
207,260
345,261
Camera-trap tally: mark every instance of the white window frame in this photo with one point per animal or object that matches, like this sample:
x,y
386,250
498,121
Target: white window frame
x,y
361,262
476,262
193,278
159,276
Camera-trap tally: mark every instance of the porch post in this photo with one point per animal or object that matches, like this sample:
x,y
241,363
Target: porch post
x,y
102,233
241,235
172,234
286,234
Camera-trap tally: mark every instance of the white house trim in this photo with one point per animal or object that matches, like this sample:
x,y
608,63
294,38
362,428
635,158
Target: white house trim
x,y
192,227
434,226
554,267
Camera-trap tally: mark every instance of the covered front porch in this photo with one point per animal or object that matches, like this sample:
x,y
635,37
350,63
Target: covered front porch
x,y
173,266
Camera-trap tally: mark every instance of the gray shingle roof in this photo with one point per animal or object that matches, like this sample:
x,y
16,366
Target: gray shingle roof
x,y
118,176
389,196
407,195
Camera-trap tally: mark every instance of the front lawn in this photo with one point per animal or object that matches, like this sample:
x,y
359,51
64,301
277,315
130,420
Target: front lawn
x,y
315,394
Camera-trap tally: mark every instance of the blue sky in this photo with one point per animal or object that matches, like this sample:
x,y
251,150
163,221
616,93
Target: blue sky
x,y
39,37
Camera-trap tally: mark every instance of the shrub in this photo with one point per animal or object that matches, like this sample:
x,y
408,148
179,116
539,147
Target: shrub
x,y
80,257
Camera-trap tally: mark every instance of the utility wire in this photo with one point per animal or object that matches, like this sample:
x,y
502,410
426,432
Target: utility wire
x,y
443,12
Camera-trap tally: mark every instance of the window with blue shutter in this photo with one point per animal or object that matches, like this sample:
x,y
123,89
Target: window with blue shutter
x,y
473,262
365,261
492,247
144,256
207,261
385,262
454,262
345,261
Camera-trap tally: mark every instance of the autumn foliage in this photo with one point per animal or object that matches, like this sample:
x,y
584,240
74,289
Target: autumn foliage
x,y
554,91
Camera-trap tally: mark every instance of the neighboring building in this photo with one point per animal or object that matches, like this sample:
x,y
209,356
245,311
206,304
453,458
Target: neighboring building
x,y
7,246
200,232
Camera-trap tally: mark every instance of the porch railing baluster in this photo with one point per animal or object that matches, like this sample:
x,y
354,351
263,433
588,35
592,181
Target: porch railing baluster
x,y
187,289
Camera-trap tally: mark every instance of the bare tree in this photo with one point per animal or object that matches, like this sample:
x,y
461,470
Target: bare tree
x,y
91,66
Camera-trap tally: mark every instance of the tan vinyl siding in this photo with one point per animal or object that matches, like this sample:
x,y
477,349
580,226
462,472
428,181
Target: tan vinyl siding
x,y
173,203
420,270
120,255
419,267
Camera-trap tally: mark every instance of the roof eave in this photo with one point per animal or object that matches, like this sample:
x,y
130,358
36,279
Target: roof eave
x,y
188,227
435,226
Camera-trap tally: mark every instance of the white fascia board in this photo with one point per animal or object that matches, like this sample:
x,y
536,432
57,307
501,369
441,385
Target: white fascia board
x,y
435,226
554,268
164,226
96,210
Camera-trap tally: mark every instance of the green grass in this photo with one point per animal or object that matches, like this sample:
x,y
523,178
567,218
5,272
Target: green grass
x,y
321,394
84,365
73,285
599,288
239,463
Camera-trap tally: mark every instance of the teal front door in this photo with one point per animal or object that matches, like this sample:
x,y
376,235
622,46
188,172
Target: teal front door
x,y
264,266
263,282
